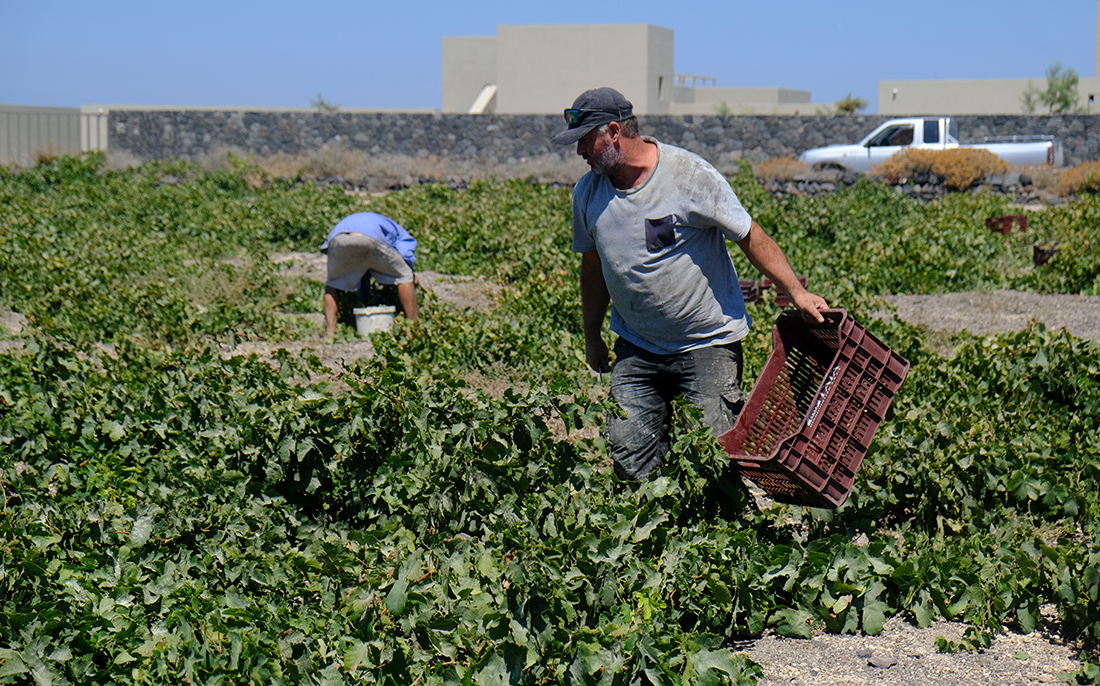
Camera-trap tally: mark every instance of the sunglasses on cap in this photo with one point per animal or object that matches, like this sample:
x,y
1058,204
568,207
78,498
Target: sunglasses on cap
x,y
573,115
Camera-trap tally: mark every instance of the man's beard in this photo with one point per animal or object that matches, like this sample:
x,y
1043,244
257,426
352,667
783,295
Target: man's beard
x,y
609,160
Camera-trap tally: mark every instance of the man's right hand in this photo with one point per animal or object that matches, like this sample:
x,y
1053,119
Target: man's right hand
x,y
597,355
594,303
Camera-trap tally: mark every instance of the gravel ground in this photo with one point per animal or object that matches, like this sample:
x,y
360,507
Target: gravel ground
x,y
905,655
988,313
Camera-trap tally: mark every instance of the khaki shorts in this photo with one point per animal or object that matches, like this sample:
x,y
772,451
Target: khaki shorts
x,y
352,255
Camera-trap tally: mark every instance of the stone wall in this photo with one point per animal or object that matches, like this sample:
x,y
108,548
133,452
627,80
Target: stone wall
x,y
506,139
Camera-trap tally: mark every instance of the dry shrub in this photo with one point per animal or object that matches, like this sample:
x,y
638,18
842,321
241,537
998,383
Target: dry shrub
x,y
1044,177
785,168
220,158
333,160
280,165
1084,178
376,172
120,160
958,167
235,159
340,161
382,171
46,155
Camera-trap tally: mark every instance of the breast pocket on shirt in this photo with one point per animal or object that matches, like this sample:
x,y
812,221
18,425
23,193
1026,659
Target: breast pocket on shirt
x,y
660,233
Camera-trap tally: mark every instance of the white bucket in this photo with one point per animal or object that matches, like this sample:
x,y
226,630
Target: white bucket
x,y
370,320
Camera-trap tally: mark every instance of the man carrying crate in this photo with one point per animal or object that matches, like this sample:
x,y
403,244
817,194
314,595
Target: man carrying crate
x,y
651,223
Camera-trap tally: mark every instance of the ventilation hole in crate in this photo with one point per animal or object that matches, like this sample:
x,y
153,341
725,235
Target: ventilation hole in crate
x,y
772,484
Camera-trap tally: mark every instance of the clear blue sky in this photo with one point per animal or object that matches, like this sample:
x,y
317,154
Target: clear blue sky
x,y
284,53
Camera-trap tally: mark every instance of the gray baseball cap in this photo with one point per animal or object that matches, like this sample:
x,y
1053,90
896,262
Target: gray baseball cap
x,y
593,108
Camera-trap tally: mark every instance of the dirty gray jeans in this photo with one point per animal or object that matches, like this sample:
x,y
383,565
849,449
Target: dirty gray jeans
x,y
644,384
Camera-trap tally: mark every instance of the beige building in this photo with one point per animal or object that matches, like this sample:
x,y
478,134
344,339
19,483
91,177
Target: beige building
x,y
977,96
541,69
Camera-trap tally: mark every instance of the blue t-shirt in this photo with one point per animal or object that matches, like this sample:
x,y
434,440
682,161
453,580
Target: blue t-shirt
x,y
663,250
379,227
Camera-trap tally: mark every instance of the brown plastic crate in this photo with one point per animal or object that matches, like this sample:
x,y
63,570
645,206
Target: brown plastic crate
x,y
781,298
750,290
810,418
1003,224
1042,252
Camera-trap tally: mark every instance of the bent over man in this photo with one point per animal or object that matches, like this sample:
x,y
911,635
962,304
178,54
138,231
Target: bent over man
x,y
651,222
366,246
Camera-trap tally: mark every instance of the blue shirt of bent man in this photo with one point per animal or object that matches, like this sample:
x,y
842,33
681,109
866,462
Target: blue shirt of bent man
x,y
379,227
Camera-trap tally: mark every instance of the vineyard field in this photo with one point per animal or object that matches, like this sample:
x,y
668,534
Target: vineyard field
x,y
444,511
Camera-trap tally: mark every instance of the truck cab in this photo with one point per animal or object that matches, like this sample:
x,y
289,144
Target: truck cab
x,y
935,133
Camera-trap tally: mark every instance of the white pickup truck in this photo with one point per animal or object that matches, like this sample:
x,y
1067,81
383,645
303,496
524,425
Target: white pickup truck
x,y
930,133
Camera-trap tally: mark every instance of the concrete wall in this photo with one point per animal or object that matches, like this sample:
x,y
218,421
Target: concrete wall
x,y
659,74
469,64
93,128
744,109
963,96
741,101
505,139
542,69
745,96
29,131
